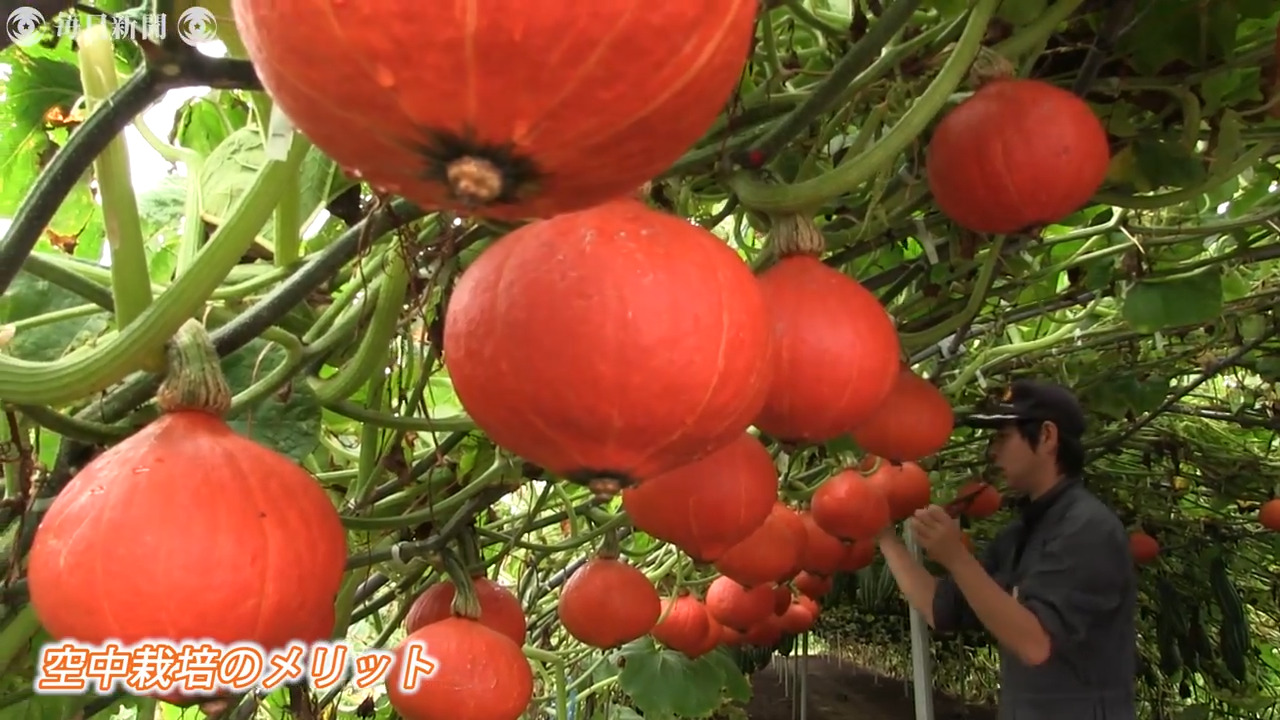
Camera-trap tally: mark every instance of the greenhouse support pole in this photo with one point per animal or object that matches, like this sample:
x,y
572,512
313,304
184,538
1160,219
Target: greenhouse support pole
x,y
921,673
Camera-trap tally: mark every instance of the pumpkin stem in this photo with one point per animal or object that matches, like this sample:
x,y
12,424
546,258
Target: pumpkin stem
x,y
989,67
469,550
609,549
194,381
796,235
465,603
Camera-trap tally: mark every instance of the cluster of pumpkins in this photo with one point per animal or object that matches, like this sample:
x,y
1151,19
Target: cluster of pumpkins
x,y
614,345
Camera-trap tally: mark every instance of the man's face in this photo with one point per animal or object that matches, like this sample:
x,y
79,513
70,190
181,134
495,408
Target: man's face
x,y
1017,460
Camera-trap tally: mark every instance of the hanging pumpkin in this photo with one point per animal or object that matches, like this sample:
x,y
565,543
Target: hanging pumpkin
x,y
836,348
478,674
1015,155
782,597
710,641
607,603
499,608
730,637
905,487
709,505
822,551
849,507
810,585
1269,515
985,503
1143,547
731,604
559,340
768,555
914,422
506,111
858,554
765,633
684,624
797,619
222,539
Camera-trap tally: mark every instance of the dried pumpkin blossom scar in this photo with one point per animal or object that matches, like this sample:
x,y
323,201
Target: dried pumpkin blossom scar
x,y
478,175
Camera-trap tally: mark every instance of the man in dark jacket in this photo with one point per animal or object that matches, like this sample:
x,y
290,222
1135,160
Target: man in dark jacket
x,y
1056,588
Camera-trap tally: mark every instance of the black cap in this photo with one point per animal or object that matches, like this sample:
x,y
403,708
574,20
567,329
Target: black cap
x,y
1027,400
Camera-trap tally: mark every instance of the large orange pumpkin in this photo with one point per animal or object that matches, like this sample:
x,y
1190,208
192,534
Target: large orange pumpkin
x,y
508,111
836,351
476,674
915,421
559,341
708,506
1016,154
770,554
220,537
905,487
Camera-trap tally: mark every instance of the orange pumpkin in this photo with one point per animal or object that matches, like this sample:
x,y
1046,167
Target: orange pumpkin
x,y
557,336
1016,154
1269,515
499,608
822,551
222,538
986,503
475,674
849,507
905,487
768,555
797,619
915,421
1143,547
735,606
707,506
507,111
837,351
810,585
684,625
607,603
765,633
858,555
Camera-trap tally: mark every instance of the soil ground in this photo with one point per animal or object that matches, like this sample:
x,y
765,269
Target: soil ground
x,y
841,691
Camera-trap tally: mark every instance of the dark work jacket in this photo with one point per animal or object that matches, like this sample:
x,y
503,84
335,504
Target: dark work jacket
x,y
1066,558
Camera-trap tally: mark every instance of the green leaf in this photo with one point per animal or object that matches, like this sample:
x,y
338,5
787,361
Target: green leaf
x,y
201,124
234,164
287,420
1167,164
736,686
1154,305
39,82
29,297
665,683
161,207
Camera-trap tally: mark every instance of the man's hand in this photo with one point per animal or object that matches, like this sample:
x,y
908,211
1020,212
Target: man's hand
x,y
939,534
